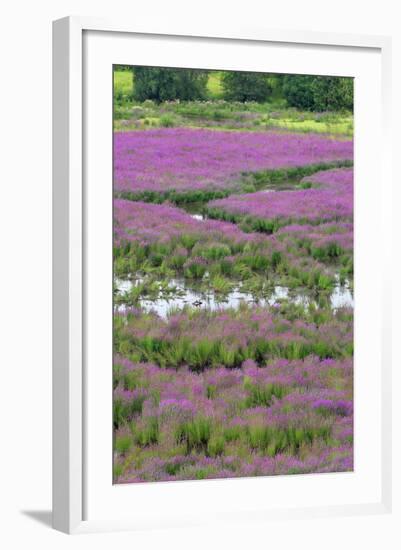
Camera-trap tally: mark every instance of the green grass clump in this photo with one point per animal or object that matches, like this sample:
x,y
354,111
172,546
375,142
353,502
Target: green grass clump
x,y
262,178
232,433
195,434
214,251
205,354
215,446
271,440
176,261
172,468
262,396
123,444
194,270
118,470
329,252
132,380
123,411
177,197
211,391
149,435
167,121
220,284
202,473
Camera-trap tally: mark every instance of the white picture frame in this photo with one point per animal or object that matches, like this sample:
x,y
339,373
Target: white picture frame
x,y
70,283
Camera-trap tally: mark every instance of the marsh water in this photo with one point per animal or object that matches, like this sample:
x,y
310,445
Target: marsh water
x,y
181,295
196,209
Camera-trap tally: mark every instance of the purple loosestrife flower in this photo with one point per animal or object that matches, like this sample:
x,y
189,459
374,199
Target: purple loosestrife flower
x,y
340,407
248,391
183,158
127,395
333,200
181,404
145,223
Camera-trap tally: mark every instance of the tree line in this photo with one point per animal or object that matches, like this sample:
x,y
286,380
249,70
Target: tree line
x,y
313,93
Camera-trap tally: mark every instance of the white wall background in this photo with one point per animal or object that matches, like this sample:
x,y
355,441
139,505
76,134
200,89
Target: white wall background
x,y
25,215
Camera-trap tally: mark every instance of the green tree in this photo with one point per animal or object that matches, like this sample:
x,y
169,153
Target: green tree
x,y
318,93
244,86
163,84
333,93
298,91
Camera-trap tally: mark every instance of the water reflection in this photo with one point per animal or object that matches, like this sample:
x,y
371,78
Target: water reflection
x,y
178,295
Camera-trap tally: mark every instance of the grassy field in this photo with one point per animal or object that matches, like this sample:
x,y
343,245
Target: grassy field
x,y
217,113
123,84
214,87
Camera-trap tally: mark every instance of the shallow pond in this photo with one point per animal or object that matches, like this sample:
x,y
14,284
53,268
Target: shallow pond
x,y
181,296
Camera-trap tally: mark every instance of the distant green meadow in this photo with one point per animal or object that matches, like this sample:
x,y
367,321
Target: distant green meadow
x,y
216,112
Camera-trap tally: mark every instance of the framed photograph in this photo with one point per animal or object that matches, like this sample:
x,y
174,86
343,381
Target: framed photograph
x,y
220,275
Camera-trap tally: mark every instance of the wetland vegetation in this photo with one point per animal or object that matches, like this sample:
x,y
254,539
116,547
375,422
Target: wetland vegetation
x,y
233,274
